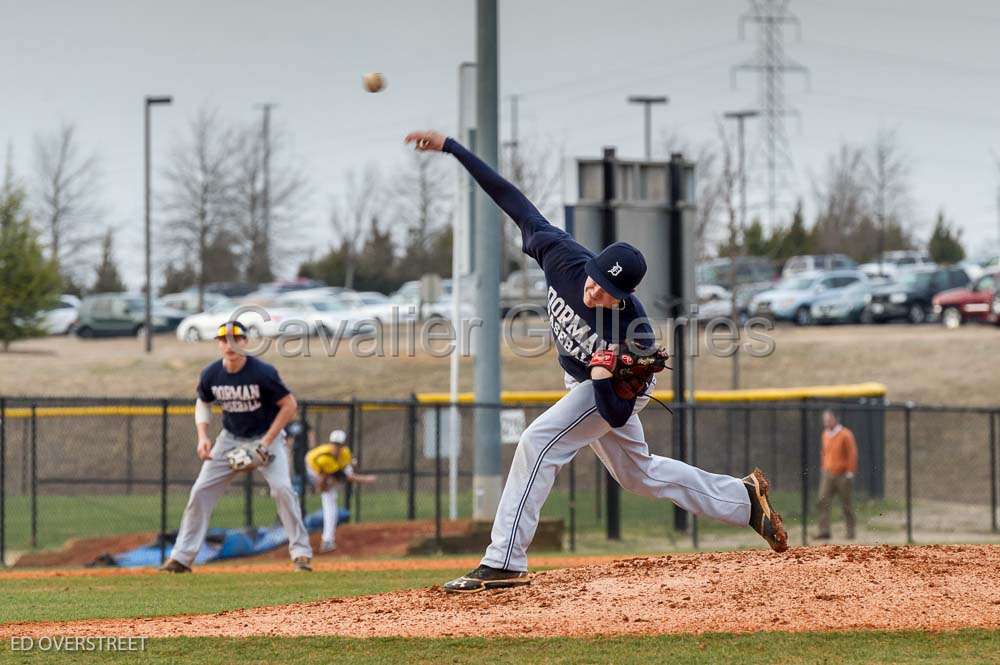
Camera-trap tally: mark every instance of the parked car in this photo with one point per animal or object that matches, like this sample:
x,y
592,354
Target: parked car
x,y
846,305
407,298
523,288
749,270
911,297
204,325
187,301
893,264
60,319
810,263
330,315
116,314
274,289
714,301
231,289
977,302
792,298
372,305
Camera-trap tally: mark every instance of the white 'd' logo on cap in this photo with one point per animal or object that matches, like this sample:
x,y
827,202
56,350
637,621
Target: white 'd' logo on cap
x,y
615,270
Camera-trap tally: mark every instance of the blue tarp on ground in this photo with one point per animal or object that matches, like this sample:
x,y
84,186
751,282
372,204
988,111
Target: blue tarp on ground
x,y
223,543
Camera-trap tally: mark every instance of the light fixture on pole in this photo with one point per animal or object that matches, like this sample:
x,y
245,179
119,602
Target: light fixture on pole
x,y
647,102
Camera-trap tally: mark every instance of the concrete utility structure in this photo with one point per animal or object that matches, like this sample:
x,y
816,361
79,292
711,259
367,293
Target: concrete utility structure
x,y
650,205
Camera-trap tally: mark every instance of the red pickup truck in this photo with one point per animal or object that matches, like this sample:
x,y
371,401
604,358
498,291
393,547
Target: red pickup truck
x,y
977,302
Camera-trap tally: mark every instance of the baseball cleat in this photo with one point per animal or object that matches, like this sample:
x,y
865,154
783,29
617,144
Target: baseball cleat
x,y
763,519
301,564
484,577
327,546
171,566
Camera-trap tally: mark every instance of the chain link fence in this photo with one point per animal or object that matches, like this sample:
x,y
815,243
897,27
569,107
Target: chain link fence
x,y
90,468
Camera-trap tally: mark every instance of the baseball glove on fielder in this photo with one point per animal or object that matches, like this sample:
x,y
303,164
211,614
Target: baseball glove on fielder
x,y
248,456
631,373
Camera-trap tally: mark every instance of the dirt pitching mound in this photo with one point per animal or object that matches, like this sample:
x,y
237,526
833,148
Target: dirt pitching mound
x,y
818,588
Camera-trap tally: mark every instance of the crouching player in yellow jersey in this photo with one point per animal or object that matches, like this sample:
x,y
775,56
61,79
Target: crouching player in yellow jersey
x,y
329,466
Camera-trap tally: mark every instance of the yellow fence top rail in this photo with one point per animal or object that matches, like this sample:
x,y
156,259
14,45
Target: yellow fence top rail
x,y
848,391
541,397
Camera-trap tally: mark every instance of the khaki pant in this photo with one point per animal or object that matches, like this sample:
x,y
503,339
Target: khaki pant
x,y
829,486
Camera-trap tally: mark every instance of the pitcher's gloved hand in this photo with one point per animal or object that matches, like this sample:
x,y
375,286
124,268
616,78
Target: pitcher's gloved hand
x,y
631,373
249,455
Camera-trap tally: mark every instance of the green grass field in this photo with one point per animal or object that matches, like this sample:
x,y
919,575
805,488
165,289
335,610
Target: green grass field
x,y
967,647
132,596
643,520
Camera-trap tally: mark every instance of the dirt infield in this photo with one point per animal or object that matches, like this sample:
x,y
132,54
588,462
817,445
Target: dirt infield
x,y
819,588
353,540
324,563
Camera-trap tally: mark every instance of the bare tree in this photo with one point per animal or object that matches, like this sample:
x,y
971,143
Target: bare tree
x,y
200,194
709,183
265,233
536,169
887,174
422,201
842,201
66,197
353,216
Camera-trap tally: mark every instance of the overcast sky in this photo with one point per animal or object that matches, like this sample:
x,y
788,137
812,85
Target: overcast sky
x,y
927,69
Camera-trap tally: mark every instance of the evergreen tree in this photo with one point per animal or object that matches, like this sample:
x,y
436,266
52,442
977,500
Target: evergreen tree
x,y
755,241
108,279
30,282
796,240
945,245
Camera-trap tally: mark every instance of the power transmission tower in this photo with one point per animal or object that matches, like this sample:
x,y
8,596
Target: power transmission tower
x,y
771,63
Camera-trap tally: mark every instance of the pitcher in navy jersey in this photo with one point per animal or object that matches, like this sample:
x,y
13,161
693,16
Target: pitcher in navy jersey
x,y
591,305
256,405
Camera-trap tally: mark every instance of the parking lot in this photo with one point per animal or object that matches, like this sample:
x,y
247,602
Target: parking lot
x,y
926,363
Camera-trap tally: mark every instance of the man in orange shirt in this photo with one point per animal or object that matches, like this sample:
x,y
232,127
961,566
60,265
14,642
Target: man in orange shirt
x,y
839,463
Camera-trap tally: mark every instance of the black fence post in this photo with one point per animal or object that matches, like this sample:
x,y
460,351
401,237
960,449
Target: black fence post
x,y
129,453
572,505
731,431
357,437
437,475
746,439
299,459
597,487
694,462
34,475
411,497
773,470
804,468
613,505
993,471
164,422
248,499
909,472
3,482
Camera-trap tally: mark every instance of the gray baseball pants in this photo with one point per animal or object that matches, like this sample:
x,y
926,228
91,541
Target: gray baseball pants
x,y
554,438
212,482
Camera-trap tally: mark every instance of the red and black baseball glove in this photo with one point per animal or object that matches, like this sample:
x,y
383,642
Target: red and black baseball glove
x,y
631,373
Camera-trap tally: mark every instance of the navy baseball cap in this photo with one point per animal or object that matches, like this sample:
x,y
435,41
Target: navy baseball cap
x,y
618,269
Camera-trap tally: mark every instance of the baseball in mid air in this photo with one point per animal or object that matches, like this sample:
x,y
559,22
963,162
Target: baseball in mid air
x,y
373,81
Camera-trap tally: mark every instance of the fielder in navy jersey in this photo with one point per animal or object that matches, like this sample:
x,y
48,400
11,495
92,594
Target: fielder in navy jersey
x,y
592,311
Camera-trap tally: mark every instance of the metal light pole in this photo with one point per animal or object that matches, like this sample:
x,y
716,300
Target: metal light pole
x,y
647,103
487,477
148,319
740,117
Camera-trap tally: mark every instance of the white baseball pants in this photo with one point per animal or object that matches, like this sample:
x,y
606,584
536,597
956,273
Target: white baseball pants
x,y
554,438
212,482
